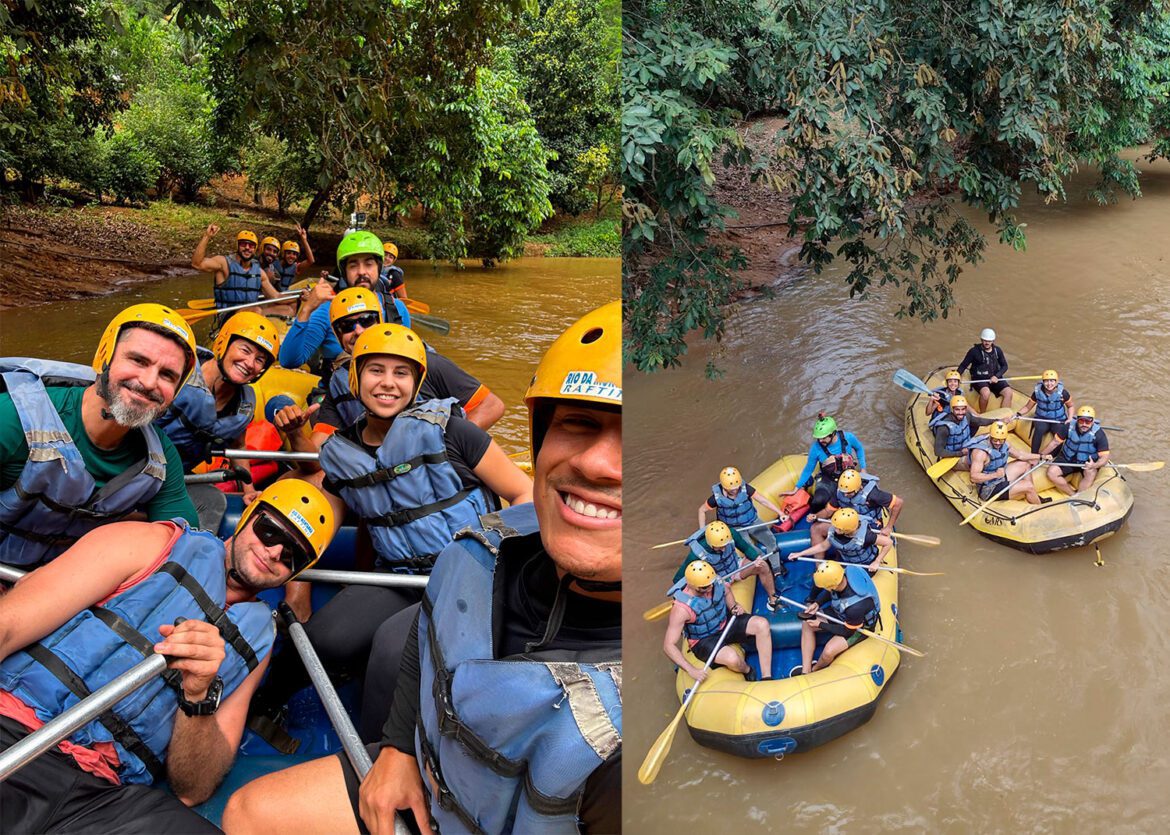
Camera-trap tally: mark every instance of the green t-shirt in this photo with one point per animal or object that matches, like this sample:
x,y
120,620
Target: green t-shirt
x,y
170,502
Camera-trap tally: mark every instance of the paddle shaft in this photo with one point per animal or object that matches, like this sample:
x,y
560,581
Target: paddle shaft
x,y
747,529
1046,420
1002,379
882,568
91,707
364,578
662,608
265,454
867,632
1003,490
203,314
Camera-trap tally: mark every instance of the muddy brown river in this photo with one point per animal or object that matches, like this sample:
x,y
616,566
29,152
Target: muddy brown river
x,y
502,319
1043,704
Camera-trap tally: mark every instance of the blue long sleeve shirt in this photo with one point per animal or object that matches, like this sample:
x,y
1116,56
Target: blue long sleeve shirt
x,y
304,338
845,442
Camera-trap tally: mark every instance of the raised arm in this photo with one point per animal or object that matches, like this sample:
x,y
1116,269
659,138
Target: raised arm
x,y
214,264
307,250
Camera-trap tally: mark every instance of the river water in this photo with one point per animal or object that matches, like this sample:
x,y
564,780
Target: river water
x,y
502,319
1042,704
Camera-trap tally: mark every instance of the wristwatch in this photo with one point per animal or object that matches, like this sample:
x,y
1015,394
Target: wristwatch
x,y
206,706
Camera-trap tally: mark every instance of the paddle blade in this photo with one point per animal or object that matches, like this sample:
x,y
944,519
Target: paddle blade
x,y
902,647
919,573
920,539
667,544
941,467
658,752
415,306
201,304
433,322
1144,467
658,611
909,382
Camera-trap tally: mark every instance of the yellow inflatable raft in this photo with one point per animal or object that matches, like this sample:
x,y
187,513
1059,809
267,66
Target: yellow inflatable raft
x,y
786,714
1065,522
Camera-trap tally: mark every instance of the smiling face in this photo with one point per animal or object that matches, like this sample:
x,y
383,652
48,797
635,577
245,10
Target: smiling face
x,y
259,566
244,361
362,270
1050,385
577,491
245,249
349,328
270,252
387,384
289,257
143,377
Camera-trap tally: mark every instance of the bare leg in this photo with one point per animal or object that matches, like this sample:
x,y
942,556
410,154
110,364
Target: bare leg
x,y
764,572
818,532
835,647
1006,398
761,630
984,397
1057,478
312,795
732,660
1025,488
1088,476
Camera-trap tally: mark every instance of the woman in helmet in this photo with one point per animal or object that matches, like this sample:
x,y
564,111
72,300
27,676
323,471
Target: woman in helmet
x,y
847,593
992,467
987,363
215,407
940,398
1084,448
393,279
832,451
415,474
1054,405
851,541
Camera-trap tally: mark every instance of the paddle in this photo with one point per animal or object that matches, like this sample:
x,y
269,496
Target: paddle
x,y
195,315
435,323
661,747
911,383
1003,490
920,539
1001,379
884,568
1046,420
662,608
867,632
209,304
754,527
942,466
415,306
1140,467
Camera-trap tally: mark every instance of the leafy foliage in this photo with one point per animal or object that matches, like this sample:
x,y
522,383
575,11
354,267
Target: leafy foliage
x,y
887,109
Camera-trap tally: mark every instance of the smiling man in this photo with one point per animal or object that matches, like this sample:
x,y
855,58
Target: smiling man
x,y
76,446
501,746
116,596
239,278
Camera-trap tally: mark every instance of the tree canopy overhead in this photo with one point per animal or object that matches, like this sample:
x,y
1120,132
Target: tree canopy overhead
x,y
889,111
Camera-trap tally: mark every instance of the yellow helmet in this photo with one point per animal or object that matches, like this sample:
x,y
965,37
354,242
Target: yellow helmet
x,y
1050,374
953,374
846,520
270,240
583,364
353,300
730,478
958,401
390,249
156,317
717,534
829,574
247,235
700,574
395,340
849,481
998,431
307,512
1087,412
250,326
291,246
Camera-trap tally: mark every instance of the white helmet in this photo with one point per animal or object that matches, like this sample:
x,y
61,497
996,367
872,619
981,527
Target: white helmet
x,y
988,334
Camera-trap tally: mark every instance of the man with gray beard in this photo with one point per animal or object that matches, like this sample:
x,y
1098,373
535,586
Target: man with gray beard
x,y
76,446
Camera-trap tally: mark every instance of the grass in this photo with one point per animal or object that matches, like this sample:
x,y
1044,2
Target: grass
x,y
582,237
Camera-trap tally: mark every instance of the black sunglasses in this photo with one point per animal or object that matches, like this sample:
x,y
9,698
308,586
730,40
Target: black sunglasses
x,y
293,553
350,323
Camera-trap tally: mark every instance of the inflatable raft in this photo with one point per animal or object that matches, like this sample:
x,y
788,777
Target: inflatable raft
x,y
787,714
1065,522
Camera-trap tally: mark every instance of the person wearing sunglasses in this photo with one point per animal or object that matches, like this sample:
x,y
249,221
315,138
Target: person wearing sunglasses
x,y
537,586
415,472
123,592
239,278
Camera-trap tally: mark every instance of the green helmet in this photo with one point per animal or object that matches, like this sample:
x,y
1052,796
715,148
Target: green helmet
x,y
824,427
360,242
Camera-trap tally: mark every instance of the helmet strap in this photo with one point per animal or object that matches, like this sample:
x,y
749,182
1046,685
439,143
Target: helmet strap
x,y
103,391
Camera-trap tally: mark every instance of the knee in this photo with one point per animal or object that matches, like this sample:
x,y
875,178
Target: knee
x,y
247,812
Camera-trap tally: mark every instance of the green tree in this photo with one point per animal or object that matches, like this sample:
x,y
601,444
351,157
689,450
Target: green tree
x,y
890,110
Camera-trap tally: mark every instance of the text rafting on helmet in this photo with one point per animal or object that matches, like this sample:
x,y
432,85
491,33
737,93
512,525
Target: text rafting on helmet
x,y
585,384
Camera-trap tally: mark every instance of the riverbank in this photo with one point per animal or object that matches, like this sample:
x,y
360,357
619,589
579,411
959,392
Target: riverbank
x,y
50,253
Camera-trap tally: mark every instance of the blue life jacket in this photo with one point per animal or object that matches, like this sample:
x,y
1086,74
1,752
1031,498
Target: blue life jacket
x,y
860,587
859,501
738,510
285,274
511,742
724,561
853,550
1081,448
945,395
193,424
349,408
56,501
1050,406
390,272
98,644
958,434
710,612
242,285
996,458
410,496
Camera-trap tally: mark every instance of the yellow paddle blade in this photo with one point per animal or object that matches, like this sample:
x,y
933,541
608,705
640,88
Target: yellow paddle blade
x,y
667,544
920,539
201,304
901,646
657,755
658,611
415,306
916,573
1142,467
941,467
